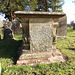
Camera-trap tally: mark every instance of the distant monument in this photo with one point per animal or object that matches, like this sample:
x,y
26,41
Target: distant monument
x,y
7,30
16,27
62,28
39,36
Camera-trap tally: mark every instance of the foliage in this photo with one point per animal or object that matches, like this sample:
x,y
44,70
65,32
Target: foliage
x,y
18,36
43,5
66,46
42,69
55,5
10,6
33,4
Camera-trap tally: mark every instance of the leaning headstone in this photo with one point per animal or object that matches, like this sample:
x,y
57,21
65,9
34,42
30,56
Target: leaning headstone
x,y
16,27
7,30
62,28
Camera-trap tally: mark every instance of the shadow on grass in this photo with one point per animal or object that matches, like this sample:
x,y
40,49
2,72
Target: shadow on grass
x,y
70,30
71,36
8,49
71,48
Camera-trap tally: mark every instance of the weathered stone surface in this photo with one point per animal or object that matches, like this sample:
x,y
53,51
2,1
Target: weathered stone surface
x,y
42,57
7,30
40,13
25,36
62,28
40,34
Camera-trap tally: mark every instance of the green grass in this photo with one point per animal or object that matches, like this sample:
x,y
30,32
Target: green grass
x,y
18,36
67,46
8,49
71,32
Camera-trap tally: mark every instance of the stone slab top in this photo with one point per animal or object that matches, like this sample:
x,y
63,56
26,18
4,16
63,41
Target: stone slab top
x,y
39,13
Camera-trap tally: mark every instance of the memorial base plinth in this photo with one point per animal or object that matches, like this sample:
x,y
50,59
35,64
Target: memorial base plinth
x,y
41,57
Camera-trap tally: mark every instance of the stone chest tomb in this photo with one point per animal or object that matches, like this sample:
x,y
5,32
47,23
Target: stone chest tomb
x,y
39,34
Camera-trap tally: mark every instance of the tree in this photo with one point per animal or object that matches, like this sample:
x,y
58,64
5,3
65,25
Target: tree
x,y
42,5
73,1
56,5
10,6
33,4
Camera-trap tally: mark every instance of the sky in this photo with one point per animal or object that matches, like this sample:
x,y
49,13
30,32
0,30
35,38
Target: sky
x,y
68,9
2,18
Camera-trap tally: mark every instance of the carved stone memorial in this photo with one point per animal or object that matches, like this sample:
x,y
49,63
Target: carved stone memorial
x,y
62,28
39,35
16,27
7,30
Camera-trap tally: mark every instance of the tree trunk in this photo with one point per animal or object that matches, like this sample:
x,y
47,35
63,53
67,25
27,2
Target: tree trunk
x,y
12,16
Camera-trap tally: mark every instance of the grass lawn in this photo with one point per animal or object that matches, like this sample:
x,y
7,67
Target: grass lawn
x,y
8,49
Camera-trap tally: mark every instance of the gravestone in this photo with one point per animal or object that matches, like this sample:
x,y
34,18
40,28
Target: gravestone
x,y
7,30
62,28
16,28
73,25
39,35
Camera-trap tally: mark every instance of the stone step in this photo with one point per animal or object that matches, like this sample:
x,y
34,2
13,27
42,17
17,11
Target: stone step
x,y
29,55
40,57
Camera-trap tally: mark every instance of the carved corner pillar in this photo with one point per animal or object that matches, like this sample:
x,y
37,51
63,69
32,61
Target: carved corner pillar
x,y
55,25
25,35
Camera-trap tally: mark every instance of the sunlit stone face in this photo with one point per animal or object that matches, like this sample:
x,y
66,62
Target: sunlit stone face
x,y
40,34
39,30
